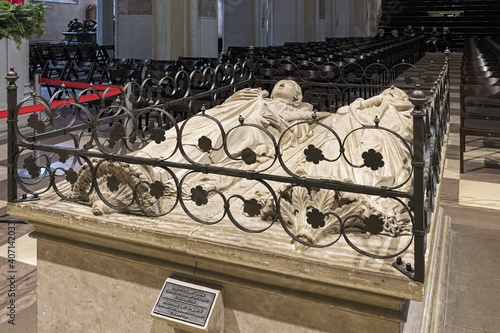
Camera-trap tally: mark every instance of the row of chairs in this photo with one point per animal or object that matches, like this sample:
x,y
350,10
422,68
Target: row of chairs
x,y
91,63
315,67
463,18
40,53
120,71
361,50
318,69
479,91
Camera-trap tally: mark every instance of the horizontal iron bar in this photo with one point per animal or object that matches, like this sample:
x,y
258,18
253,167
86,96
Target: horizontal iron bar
x,y
302,181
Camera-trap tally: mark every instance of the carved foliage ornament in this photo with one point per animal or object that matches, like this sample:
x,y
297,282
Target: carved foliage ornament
x,y
307,213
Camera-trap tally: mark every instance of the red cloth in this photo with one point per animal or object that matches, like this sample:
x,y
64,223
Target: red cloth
x,y
16,1
39,107
76,85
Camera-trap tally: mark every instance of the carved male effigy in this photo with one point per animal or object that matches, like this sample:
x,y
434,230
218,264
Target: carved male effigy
x,y
365,143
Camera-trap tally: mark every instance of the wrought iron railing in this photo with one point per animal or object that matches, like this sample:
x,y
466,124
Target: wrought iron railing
x,y
86,153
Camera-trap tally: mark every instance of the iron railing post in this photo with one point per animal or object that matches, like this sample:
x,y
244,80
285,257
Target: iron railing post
x,y
419,99
447,52
37,86
11,139
251,64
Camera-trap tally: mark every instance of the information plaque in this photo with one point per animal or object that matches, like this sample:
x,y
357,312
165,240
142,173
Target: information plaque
x,y
184,303
190,305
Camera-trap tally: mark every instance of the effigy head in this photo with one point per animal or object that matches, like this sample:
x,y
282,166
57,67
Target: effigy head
x,y
397,98
288,91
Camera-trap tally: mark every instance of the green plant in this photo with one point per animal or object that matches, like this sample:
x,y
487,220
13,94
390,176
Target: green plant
x,y
19,22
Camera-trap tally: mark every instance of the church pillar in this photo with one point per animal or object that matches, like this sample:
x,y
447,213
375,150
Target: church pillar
x,y
264,24
184,28
310,20
331,21
299,18
133,29
18,58
105,24
374,13
359,18
244,23
321,20
287,21
298,21
343,18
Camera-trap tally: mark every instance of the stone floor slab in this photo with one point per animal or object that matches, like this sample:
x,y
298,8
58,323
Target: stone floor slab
x,y
456,329
479,194
473,302
475,253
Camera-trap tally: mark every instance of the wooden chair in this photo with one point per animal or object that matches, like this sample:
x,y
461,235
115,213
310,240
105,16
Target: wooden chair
x,y
82,71
58,70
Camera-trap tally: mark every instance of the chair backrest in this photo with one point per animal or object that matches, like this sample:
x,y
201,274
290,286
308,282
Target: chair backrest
x,y
121,76
57,69
82,71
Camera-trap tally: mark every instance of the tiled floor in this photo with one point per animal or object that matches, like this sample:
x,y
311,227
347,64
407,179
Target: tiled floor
x,y
471,199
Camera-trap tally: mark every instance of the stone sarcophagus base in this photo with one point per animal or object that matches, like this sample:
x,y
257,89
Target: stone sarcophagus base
x,y
104,274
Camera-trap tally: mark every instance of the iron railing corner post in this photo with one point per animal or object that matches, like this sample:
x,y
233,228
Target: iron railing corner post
x,y
447,52
11,136
419,99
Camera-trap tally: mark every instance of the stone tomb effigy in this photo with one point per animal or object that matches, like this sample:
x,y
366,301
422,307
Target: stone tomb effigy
x,y
312,258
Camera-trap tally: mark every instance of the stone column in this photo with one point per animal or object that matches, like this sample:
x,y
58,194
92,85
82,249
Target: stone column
x,y
321,34
133,29
311,21
299,21
331,18
184,28
11,56
287,21
260,33
205,38
243,23
374,9
105,24
343,18
359,18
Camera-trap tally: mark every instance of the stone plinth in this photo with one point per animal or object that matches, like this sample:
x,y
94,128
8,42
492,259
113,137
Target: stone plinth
x,y
104,274
18,58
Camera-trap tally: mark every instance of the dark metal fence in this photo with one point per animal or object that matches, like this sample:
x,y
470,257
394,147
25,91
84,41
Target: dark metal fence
x,y
71,149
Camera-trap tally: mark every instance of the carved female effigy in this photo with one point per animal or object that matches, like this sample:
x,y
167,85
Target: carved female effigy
x,y
376,135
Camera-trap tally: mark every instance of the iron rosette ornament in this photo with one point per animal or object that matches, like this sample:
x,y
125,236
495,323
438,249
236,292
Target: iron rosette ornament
x,y
249,204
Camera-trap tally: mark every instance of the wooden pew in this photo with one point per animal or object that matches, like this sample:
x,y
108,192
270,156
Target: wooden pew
x,y
479,114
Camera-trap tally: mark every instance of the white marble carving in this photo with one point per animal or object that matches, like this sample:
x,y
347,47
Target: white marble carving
x,y
392,109
353,124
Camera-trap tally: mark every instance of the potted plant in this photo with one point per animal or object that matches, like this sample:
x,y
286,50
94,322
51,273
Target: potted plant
x,y
19,21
